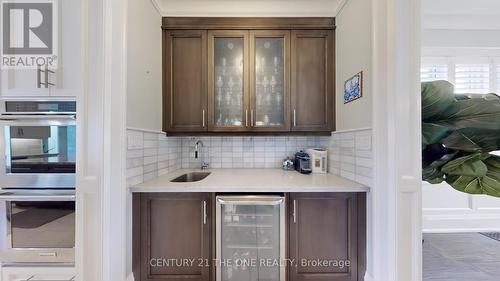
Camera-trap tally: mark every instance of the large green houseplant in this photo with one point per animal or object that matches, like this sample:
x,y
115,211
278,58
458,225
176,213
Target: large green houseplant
x,y
458,134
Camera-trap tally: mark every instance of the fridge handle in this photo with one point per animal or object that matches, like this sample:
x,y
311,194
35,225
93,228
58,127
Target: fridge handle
x,y
204,212
251,200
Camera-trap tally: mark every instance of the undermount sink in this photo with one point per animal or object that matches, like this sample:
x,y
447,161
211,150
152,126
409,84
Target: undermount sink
x,y
191,177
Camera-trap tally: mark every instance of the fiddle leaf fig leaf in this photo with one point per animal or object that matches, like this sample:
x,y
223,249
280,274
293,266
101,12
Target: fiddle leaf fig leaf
x,y
433,133
488,184
436,97
471,140
458,132
432,172
475,113
469,166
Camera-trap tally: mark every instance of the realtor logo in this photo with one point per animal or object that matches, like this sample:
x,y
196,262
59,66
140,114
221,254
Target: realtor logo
x,y
29,34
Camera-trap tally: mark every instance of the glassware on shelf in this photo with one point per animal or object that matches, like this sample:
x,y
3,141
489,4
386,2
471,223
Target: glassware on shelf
x,y
265,83
228,84
273,83
269,79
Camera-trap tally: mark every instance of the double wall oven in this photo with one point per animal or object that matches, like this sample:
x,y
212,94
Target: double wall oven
x,y
37,179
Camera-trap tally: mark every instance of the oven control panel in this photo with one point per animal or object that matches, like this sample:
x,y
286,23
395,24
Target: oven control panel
x,y
40,107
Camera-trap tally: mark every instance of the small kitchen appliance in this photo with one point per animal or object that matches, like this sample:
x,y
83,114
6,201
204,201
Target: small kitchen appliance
x,y
302,162
319,160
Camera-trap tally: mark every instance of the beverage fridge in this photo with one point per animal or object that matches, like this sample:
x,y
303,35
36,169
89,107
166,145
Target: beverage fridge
x,y
250,244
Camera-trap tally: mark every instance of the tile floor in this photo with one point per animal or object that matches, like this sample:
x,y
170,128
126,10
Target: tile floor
x,y
460,257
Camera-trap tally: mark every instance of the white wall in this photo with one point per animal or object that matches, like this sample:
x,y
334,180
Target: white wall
x,y
144,66
459,28
248,8
354,47
354,54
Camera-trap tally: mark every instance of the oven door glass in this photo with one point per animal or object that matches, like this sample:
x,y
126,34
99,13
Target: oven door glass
x,y
40,149
41,224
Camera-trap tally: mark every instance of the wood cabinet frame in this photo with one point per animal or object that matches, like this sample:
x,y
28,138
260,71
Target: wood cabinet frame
x,y
249,29
169,83
254,34
329,81
212,35
356,225
142,231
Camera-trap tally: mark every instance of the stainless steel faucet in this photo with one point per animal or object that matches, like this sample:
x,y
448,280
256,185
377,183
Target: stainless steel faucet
x,y
198,151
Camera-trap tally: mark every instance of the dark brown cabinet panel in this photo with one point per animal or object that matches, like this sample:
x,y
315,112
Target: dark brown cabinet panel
x,y
185,81
249,75
329,228
313,80
174,226
326,227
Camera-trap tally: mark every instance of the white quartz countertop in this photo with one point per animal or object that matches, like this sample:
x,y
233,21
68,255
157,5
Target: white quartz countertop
x,y
251,180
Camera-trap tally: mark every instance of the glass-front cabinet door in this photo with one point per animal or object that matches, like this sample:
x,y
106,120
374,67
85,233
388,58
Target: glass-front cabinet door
x,y
228,80
269,76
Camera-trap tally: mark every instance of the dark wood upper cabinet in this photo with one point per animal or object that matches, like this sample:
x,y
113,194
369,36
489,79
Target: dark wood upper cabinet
x,y
326,226
228,80
248,75
185,81
313,80
269,80
174,226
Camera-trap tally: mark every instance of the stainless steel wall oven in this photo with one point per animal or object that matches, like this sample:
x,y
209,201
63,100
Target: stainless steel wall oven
x,y
37,180
38,144
38,226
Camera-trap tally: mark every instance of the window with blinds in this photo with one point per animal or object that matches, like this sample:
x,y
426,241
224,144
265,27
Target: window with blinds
x,y
433,72
498,79
472,78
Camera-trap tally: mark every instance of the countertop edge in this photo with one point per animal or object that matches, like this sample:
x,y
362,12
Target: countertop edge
x,y
163,184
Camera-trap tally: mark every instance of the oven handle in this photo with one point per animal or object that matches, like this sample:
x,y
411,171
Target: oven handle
x,y
15,117
36,198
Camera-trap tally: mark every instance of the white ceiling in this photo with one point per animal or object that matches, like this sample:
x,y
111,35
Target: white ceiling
x,y
249,8
461,14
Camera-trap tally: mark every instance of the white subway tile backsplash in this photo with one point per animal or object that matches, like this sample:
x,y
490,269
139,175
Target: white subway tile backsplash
x,y
150,155
247,152
350,155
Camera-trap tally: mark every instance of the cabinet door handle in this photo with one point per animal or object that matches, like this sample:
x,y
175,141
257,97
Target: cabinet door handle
x,y
204,212
203,117
294,117
38,77
294,211
46,76
47,71
251,117
246,117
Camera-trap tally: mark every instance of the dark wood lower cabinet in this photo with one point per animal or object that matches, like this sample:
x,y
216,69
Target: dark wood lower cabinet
x,y
175,236
326,236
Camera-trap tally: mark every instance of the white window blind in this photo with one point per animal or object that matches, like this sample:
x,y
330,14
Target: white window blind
x,y
432,72
498,79
472,78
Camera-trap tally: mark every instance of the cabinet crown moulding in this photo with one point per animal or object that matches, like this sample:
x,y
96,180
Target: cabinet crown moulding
x,y
248,23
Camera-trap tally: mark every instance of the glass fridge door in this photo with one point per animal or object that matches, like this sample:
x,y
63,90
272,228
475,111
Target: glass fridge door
x,y
250,238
